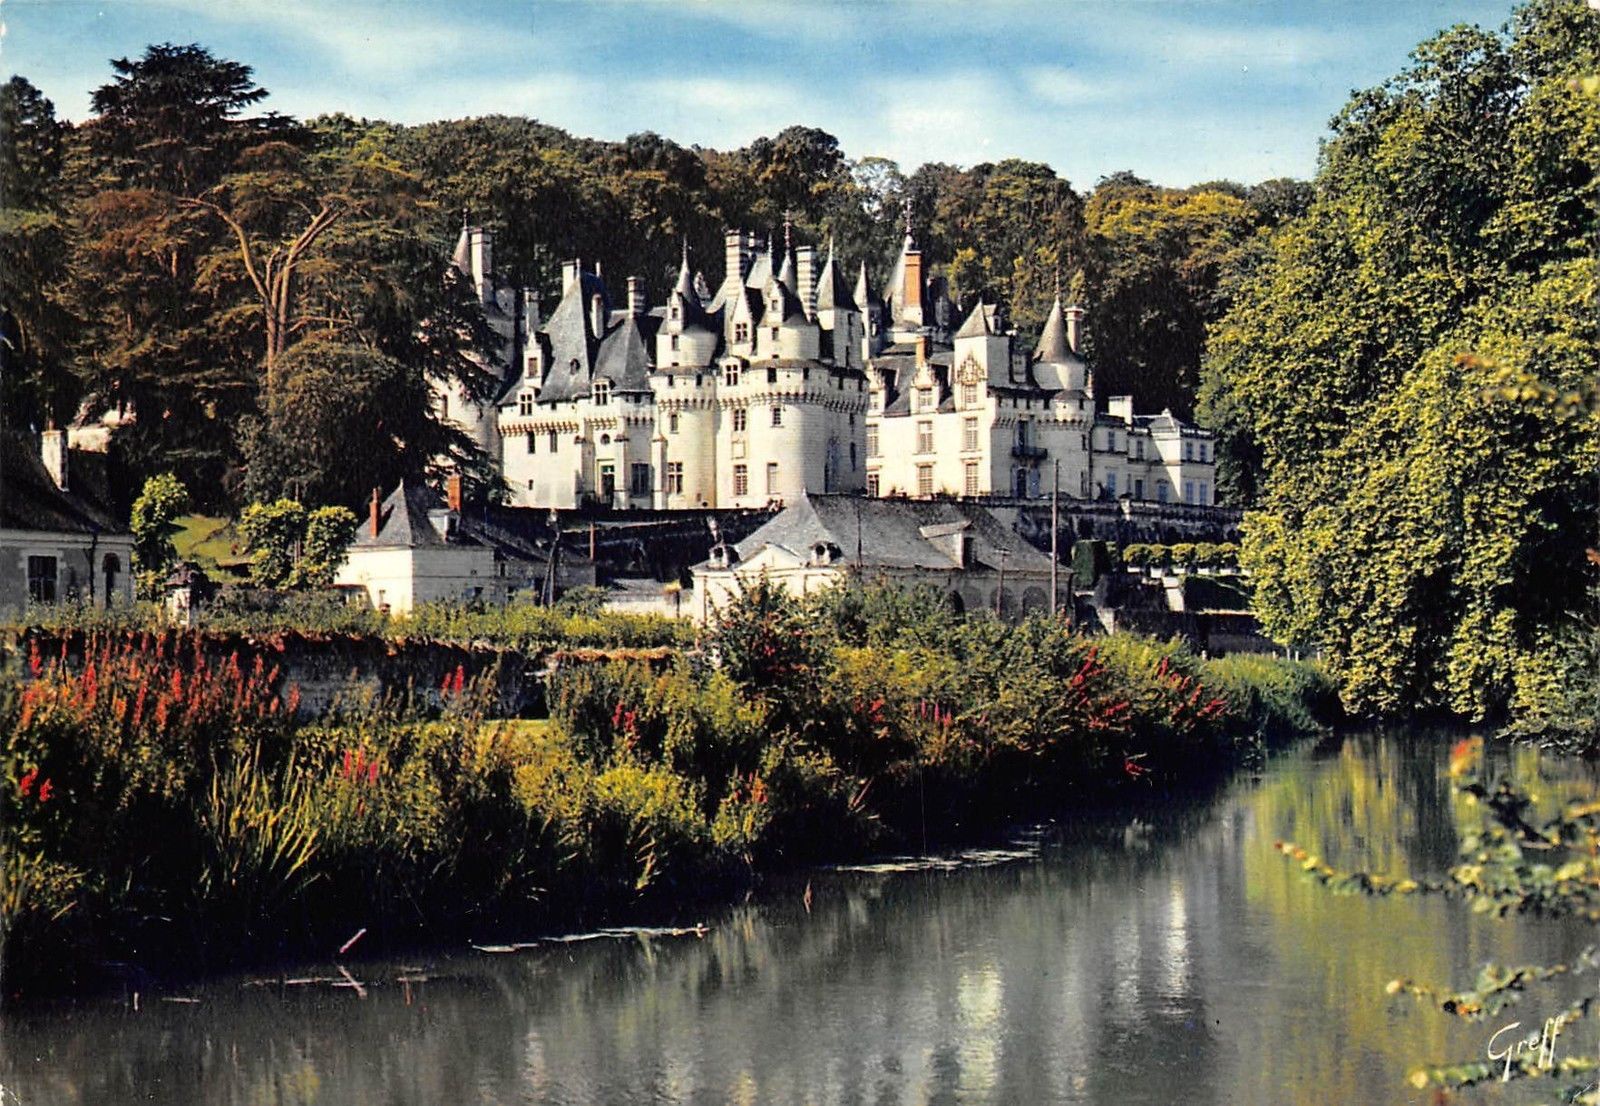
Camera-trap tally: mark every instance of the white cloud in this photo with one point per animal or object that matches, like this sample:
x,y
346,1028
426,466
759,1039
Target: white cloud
x,y
1063,87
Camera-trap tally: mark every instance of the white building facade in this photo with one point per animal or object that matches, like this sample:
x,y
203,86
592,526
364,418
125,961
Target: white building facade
x,y
785,381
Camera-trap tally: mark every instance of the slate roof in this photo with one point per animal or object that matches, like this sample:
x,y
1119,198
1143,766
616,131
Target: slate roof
x,y
568,337
30,500
624,357
984,322
832,295
1053,345
894,533
403,520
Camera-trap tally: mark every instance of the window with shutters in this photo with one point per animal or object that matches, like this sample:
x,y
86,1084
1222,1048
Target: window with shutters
x,y
924,479
969,484
872,441
741,479
969,433
924,437
772,478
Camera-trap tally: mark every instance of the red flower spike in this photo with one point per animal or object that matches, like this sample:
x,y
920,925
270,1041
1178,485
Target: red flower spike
x,y
25,784
44,791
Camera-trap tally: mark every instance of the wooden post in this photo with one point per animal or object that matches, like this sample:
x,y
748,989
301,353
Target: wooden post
x,y
1055,537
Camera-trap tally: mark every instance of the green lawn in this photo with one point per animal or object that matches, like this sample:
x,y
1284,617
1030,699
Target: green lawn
x,y
211,543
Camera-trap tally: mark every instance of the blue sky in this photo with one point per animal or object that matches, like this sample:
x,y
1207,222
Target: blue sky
x,y
1181,91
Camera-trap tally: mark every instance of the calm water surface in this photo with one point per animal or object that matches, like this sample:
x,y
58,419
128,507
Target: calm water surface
x,y
1177,958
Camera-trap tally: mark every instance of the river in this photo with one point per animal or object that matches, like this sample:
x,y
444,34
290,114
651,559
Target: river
x,y
1173,957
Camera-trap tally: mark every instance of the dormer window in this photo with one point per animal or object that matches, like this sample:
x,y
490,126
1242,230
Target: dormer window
x,y
741,332
525,403
602,392
730,376
572,366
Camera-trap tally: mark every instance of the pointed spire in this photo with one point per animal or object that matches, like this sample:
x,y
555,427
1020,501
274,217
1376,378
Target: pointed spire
x,y
685,285
831,292
907,207
1053,346
863,291
786,273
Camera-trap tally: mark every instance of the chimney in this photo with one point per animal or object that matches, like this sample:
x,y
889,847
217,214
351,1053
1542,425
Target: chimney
x,y
805,274
452,491
922,350
569,273
53,452
734,256
481,250
636,301
1074,316
597,314
375,514
530,310
911,293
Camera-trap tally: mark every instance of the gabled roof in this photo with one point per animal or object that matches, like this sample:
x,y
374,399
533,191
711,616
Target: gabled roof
x,y
624,357
30,500
568,336
403,520
984,322
893,533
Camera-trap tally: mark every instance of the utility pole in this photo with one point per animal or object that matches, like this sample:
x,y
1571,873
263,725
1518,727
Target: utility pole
x,y
1055,531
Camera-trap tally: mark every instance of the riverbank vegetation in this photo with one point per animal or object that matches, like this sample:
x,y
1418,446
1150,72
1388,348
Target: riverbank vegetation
x,y
159,808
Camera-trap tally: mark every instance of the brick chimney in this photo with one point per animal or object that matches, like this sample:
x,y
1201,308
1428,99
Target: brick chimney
x,y
375,514
53,452
922,350
452,491
911,293
1074,316
636,300
805,275
569,273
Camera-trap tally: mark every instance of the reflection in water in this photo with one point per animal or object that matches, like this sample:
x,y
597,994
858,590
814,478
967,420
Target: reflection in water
x,y
1119,963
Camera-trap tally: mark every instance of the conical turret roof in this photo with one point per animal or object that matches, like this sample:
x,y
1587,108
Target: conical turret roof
x,y
1053,345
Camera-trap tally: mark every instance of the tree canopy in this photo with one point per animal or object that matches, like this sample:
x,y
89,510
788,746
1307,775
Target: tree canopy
x,y
1422,513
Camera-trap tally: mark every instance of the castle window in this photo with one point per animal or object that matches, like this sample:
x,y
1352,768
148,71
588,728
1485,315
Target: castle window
x,y
924,437
1188,450
924,480
777,416
1138,449
741,333
772,376
639,479
1203,457
1163,491
572,366
672,423
969,433
852,418
1138,489
1111,484
740,417
741,480
774,338
674,314
772,478
1205,494
553,443
533,441
730,375
674,477
602,393
42,579
969,484
872,441
852,456
969,395
924,399
674,341
525,404
872,484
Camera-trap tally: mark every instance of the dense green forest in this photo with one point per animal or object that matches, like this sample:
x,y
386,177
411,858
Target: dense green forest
x,y
255,287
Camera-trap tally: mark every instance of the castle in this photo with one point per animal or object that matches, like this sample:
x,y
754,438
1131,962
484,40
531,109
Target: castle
x,y
790,379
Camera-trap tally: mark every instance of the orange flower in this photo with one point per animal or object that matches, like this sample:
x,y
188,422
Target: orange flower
x,y
1464,756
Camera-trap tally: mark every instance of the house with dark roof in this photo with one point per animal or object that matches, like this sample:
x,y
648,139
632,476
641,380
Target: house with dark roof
x,y
959,549
415,547
62,539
